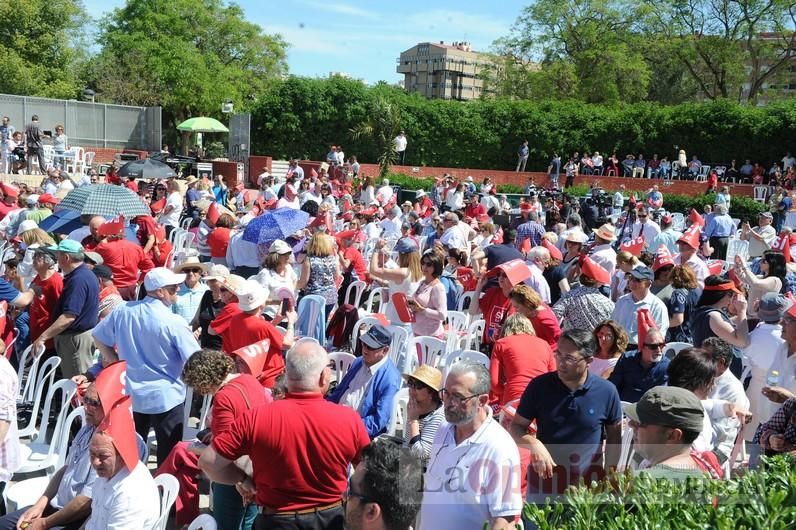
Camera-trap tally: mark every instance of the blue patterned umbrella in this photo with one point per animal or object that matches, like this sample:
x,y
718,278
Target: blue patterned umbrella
x,y
107,200
61,222
275,224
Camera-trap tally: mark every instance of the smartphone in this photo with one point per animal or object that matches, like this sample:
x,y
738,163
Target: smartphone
x,y
285,307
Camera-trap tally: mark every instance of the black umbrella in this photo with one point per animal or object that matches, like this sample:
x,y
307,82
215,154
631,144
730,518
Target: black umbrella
x,y
146,169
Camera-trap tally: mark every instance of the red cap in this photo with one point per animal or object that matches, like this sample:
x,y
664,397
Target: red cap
x,y
114,227
118,424
695,218
8,189
525,207
515,270
555,253
662,258
634,246
645,323
592,269
213,213
111,385
691,236
254,356
46,198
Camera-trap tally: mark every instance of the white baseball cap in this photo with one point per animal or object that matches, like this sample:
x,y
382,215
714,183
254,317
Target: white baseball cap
x,y
27,224
251,295
162,277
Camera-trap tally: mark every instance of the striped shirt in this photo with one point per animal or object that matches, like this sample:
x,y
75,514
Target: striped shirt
x,y
420,445
529,230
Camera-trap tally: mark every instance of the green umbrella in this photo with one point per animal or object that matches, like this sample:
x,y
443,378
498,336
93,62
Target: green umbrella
x,y
202,124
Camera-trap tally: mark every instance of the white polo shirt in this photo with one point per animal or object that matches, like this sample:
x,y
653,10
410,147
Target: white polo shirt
x,y
128,501
473,482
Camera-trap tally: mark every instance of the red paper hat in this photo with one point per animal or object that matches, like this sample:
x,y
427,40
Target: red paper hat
x,y
715,266
254,355
634,246
313,173
158,206
347,234
691,236
482,218
118,424
782,244
525,207
592,269
695,218
321,220
47,198
645,324
515,270
348,216
114,227
8,189
369,211
111,385
213,213
555,253
662,258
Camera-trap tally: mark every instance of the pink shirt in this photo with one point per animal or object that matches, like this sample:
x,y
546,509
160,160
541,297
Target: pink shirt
x,y
428,322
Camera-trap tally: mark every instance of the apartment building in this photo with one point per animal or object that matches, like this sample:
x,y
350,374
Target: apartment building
x,y
443,71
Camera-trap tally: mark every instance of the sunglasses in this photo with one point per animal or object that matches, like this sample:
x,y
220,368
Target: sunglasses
x,y
655,345
91,402
417,385
192,270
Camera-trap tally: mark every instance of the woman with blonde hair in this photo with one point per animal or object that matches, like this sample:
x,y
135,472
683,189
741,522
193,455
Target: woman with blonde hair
x,y
32,237
517,357
611,342
320,270
403,279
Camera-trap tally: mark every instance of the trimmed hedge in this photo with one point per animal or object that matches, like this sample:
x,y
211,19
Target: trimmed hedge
x,y
301,117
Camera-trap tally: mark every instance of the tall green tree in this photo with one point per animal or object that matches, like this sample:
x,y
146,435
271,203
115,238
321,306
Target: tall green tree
x,y
40,56
189,56
381,127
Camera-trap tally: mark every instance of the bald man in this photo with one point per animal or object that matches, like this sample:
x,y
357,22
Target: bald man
x,y
91,241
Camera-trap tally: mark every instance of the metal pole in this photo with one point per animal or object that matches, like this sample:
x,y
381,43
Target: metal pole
x,y
105,125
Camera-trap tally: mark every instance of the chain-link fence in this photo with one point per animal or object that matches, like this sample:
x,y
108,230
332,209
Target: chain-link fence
x,y
89,124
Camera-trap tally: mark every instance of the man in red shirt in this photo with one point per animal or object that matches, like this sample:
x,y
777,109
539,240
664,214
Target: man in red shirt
x,y
300,449
9,201
152,237
242,324
474,208
47,284
494,304
124,258
350,255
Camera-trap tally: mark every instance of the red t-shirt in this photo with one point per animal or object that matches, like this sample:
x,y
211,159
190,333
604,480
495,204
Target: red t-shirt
x,y
496,308
515,361
467,278
474,210
355,257
125,259
300,448
546,326
218,241
229,404
5,209
43,305
238,329
146,227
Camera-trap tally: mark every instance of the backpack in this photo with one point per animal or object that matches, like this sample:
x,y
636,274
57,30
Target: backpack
x,y
453,290
341,325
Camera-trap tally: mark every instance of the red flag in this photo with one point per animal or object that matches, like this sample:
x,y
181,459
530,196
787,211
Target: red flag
x,y
782,244
254,356
114,227
118,424
213,213
634,246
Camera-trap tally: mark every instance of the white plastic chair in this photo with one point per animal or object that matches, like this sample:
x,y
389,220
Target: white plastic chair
x,y
39,455
312,317
342,362
42,378
465,300
626,450
475,331
673,348
398,416
186,223
169,488
425,350
26,492
88,160
26,374
457,329
189,433
678,222
204,522
397,351
357,288
702,176
463,355
760,193
377,293
737,247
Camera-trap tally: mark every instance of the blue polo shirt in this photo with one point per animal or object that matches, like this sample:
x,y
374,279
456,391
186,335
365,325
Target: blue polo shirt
x,y
80,297
570,424
632,379
8,293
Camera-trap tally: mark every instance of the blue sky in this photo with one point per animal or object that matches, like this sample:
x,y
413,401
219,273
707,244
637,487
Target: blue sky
x,y
363,39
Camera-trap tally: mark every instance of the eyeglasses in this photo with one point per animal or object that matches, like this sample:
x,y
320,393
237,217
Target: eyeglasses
x,y
417,385
349,492
91,402
569,359
642,216
193,271
655,345
455,399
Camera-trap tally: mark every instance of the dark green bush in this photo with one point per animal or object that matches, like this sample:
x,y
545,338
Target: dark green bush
x,y
300,117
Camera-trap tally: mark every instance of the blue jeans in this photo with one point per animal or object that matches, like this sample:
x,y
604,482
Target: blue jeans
x,y
228,509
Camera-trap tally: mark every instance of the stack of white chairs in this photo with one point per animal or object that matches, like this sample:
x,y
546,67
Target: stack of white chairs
x,y
342,363
458,324
169,487
398,416
425,350
189,433
32,394
456,356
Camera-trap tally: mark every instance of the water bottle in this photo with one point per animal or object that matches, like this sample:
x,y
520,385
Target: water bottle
x,y
772,379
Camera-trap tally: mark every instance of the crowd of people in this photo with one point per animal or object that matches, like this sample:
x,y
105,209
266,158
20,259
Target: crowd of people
x,y
575,322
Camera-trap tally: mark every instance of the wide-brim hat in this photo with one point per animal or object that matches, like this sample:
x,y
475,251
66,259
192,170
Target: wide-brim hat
x,y
218,272
606,231
191,262
429,376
